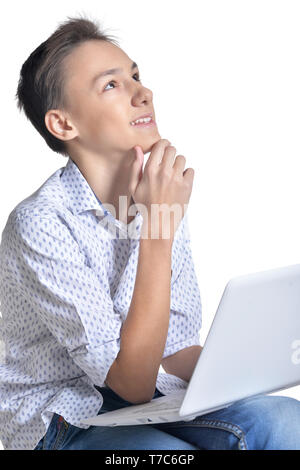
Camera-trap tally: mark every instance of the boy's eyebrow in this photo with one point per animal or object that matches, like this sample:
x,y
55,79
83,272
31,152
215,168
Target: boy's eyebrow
x,y
109,72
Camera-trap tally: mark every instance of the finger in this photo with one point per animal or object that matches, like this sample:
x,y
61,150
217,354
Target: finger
x,y
168,157
156,153
189,174
137,169
179,164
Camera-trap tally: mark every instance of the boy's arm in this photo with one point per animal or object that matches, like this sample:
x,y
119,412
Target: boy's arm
x,y
144,332
183,362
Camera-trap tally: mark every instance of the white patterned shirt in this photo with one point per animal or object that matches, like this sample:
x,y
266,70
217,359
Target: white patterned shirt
x,y
66,284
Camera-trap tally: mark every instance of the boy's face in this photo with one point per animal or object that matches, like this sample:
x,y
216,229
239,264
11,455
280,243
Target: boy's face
x,y
101,109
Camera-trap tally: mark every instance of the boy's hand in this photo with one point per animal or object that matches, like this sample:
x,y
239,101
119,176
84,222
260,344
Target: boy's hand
x,y
164,181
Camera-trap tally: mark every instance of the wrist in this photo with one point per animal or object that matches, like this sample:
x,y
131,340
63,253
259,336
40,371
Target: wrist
x,y
152,233
147,237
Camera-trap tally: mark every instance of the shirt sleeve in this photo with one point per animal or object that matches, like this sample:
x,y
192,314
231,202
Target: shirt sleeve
x,y
186,309
69,297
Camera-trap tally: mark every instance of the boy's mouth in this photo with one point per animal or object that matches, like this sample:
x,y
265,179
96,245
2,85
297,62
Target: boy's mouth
x,y
144,119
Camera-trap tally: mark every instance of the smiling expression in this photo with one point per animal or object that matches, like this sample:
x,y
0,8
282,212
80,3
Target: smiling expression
x,y
103,95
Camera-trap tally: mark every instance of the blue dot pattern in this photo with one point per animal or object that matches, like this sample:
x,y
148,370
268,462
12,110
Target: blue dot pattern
x,y
66,285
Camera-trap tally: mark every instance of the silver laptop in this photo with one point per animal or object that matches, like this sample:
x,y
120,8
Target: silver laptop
x,y
252,348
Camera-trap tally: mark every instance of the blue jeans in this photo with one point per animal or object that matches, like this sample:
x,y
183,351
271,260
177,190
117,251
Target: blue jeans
x,y
262,422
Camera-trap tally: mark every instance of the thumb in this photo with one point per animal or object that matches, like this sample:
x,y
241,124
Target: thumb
x,y
137,168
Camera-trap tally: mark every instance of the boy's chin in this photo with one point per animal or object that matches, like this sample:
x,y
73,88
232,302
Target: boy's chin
x,y
148,148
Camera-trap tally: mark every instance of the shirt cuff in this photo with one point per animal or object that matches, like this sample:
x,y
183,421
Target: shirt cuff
x,y
173,348
96,361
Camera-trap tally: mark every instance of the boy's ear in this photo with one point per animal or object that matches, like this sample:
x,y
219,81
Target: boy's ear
x,y
59,125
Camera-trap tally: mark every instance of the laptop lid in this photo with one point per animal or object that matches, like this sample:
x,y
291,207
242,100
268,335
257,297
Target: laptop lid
x,y
253,345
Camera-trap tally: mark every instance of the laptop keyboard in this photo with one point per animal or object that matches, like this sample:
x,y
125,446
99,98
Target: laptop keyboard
x,y
160,409
172,401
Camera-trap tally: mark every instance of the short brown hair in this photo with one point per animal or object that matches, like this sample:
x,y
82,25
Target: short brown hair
x,y
42,79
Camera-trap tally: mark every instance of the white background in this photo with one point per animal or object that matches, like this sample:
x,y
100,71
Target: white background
x,y
225,78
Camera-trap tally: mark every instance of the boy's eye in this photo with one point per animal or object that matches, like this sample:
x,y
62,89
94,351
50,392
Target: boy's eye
x,y
135,75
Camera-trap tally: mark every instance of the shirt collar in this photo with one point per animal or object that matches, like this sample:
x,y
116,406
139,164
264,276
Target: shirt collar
x,y
81,196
